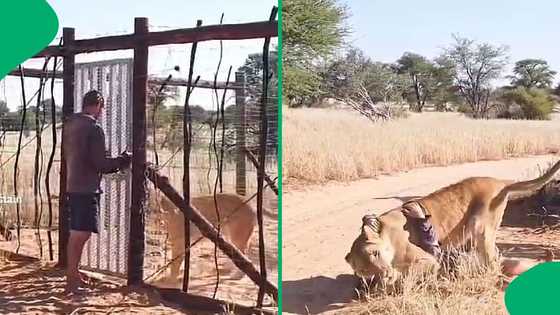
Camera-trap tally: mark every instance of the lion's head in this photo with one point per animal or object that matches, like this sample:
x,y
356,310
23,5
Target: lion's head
x,y
370,256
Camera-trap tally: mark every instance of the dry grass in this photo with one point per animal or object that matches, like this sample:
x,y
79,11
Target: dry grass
x,y
25,181
329,144
473,290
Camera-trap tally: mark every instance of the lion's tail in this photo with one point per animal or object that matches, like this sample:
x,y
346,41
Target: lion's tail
x,y
527,186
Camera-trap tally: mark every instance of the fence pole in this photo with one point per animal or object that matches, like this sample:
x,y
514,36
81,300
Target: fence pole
x,y
69,60
240,131
139,90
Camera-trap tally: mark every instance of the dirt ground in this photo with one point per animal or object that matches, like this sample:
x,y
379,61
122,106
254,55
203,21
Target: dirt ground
x,y
320,223
31,286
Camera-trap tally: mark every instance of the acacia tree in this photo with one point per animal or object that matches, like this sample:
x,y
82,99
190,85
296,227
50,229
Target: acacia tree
x,y
532,73
443,90
343,76
355,74
476,65
430,80
311,31
384,84
421,72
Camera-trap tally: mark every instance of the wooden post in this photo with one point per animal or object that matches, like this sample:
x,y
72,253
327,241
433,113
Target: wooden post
x,y
240,131
262,163
139,90
209,231
68,37
187,140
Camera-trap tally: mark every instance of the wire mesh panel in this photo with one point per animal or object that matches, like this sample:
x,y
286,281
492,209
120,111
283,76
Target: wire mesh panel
x,y
107,251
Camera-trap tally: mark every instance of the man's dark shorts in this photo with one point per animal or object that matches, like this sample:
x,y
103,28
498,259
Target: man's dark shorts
x,y
84,211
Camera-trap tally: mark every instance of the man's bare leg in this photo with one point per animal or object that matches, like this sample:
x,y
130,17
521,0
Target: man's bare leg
x,y
76,244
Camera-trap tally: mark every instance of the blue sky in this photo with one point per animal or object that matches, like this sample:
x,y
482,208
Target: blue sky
x,y
386,29
115,17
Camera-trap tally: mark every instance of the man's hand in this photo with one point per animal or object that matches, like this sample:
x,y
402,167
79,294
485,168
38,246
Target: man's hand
x,y
126,158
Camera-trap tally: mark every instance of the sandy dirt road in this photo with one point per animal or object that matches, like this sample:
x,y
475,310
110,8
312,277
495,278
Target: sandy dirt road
x,y
320,223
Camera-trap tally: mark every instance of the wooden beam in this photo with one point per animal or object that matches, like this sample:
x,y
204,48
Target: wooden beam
x,y
51,51
139,91
187,140
261,163
36,73
179,36
202,84
269,181
191,302
69,61
207,230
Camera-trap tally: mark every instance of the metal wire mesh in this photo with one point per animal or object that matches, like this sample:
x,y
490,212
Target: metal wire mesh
x,y
108,250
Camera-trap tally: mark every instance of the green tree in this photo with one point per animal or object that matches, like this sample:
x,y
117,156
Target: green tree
x,y
384,84
476,66
443,90
535,103
343,76
430,80
311,31
532,73
156,101
421,72
253,69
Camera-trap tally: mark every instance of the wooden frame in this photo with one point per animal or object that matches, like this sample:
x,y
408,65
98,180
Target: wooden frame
x,y
178,36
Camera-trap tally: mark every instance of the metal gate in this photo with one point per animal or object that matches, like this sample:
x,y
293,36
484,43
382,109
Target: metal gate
x,y
108,251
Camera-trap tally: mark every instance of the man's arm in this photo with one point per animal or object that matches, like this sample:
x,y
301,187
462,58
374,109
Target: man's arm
x,y
98,153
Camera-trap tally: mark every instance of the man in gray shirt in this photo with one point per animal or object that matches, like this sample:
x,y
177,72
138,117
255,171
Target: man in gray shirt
x,y
86,160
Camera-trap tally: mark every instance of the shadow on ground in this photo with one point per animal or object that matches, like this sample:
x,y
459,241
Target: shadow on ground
x,y
298,295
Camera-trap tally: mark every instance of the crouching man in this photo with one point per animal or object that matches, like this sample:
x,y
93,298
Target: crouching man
x,y
86,161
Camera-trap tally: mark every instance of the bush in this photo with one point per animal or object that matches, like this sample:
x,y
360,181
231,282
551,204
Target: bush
x,y
398,112
536,104
464,109
508,111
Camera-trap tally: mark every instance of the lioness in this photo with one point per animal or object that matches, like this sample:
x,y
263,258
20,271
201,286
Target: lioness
x,y
462,214
238,220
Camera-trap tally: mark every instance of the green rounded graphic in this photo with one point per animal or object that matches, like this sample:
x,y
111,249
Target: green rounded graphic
x,y
535,291
27,27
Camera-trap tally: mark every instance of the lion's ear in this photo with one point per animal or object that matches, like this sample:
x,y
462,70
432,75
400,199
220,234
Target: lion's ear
x,y
371,226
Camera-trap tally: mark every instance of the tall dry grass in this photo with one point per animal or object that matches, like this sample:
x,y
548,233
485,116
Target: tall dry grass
x,y
471,289
334,144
